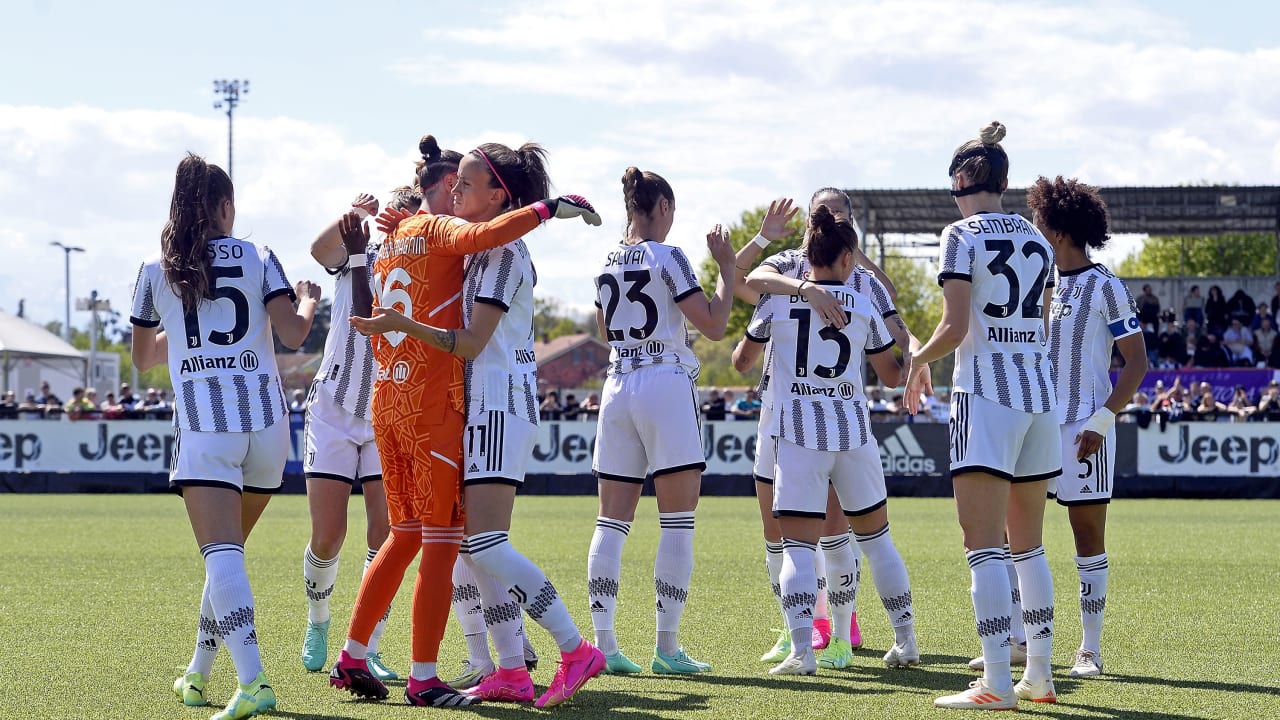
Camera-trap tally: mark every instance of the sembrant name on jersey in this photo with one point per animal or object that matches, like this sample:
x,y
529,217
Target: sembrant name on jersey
x,y
1002,225
1005,335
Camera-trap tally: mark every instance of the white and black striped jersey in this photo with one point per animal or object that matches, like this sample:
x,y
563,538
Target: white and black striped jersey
x,y
347,369
1003,357
222,357
504,376
817,384
793,263
638,289
1091,310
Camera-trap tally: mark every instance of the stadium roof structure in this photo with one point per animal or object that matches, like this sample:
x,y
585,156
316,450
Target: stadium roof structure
x,y
1194,210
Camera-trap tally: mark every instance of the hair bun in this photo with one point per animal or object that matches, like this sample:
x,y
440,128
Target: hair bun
x,y
632,176
993,133
822,218
429,148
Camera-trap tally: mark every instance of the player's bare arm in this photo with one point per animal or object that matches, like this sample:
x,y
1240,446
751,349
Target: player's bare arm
x,y
710,316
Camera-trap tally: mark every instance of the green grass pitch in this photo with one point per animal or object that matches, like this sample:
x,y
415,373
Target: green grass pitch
x,y
98,600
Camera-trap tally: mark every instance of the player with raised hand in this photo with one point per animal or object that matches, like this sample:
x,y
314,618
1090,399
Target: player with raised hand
x,y
418,405
839,569
502,425
222,296
1092,311
340,449
649,421
996,276
823,439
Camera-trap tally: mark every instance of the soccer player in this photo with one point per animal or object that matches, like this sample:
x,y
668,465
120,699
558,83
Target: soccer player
x,y
418,423
222,296
838,563
649,419
340,449
1092,310
816,383
502,425
996,276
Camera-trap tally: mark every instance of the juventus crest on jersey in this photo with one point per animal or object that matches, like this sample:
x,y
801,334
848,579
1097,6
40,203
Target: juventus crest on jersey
x,y
639,289
221,357
818,395
1091,310
347,369
504,376
1003,357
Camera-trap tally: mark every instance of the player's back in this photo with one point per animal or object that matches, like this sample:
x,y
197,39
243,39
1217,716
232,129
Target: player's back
x,y
1003,357
416,383
817,381
221,355
639,289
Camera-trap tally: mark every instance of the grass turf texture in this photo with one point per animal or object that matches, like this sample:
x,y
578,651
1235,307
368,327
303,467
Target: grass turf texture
x,y
98,600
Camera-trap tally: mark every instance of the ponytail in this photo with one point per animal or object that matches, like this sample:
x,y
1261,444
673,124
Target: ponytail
x,y
199,190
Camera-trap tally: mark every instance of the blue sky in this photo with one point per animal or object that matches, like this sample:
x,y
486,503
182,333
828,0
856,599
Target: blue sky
x,y
734,102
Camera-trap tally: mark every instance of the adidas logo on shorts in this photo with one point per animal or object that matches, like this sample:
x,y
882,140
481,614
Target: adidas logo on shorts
x,y
1085,490
598,606
473,468
902,454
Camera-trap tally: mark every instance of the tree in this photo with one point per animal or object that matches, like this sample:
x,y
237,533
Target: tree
x,y
552,320
1232,254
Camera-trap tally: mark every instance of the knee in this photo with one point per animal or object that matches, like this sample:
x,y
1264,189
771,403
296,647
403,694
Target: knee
x,y
326,544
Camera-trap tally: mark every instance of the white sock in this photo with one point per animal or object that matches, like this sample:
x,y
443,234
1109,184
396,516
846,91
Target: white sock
x,y
821,607
376,636
208,639
502,617
604,570
773,564
799,591
1017,631
422,670
990,592
469,610
319,576
492,553
841,558
672,570
232,602
1037,610
892,582
1094,572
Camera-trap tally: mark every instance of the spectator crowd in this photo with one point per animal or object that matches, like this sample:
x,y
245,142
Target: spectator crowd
x,y
1214,331
84,404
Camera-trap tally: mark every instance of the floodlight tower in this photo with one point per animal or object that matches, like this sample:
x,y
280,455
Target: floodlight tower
x,y
230,91
67,250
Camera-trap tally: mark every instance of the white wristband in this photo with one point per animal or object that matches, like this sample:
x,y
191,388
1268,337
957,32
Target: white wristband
x,y
364,214
1100,422
760,240
357,260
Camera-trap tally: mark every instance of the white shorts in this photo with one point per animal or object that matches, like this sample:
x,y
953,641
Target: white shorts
x,y
339,445
766,454
803,475
244,461
1087,481
648,423
990,438
496,448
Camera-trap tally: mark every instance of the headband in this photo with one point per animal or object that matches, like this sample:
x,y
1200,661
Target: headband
x,y
998,161
510,198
